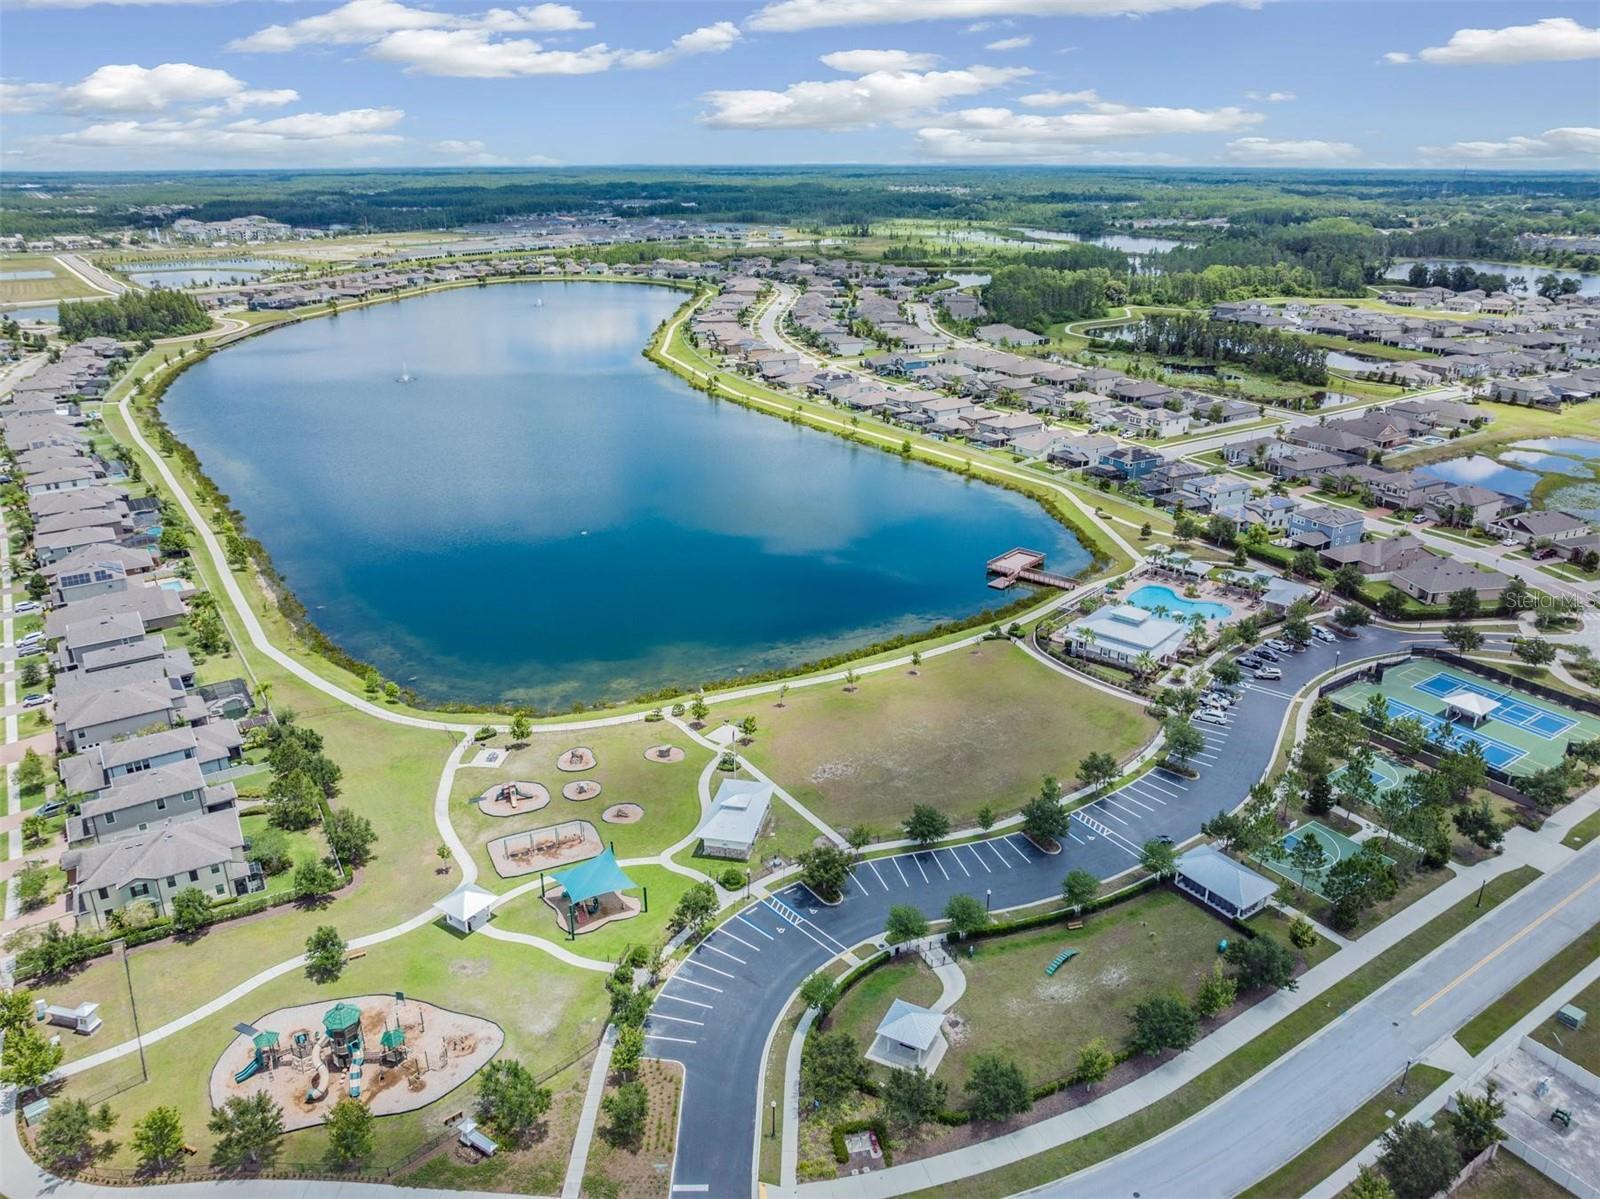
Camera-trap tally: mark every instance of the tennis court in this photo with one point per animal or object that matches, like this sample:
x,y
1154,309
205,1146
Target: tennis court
x,y
1520,712
1336,847
1386,774
1521,735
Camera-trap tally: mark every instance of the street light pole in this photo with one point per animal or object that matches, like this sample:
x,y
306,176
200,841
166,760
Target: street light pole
x,y
774,1127
1405,1074
988,898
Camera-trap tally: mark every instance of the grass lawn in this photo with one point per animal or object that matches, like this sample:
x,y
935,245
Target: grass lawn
x,y
1585,831
530,914
1578,1045
1243,1063
1347,1138
1479,1032
973,727
58,283
1270,922
1157,942
1509,1177
668,792
550,1013
306,844
640,1169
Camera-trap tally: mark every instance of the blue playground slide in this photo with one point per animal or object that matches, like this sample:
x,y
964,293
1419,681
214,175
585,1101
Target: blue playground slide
x,y
255,1064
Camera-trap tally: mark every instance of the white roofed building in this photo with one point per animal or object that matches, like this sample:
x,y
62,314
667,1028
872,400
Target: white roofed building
x,y
737,814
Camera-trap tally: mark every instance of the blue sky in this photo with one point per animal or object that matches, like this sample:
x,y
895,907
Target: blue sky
x,y
118,84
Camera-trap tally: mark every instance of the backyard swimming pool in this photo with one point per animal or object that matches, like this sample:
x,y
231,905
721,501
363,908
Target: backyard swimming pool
x,y
1154,595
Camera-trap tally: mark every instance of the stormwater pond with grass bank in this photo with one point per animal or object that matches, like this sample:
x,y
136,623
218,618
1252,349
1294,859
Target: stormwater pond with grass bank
x,y
538,515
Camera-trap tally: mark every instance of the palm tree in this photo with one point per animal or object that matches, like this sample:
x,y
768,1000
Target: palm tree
x,y
1145,664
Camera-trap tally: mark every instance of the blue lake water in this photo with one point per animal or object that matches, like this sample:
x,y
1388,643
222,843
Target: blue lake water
x,y
1555,464
1588,283
204,272
1484,471
542,515
46,313
1576,447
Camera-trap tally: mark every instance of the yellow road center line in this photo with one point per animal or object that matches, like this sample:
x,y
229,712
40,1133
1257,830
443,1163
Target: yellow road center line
x,y
1501,948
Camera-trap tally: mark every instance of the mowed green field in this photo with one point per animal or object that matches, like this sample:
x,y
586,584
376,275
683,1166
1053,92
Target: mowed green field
x,y
981,725
1157,943
59,284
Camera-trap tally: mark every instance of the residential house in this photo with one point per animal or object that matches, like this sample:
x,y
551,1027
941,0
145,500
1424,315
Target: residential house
x,y
1432,579
206,852
1535,526
134,802
1323,527
1122,634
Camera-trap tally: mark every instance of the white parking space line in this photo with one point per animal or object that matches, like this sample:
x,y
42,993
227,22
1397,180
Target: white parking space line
x,y
956,858
1145,793
676,1019
940,865
1169,779
1075,837
903,880
742,920
724,931
1018,848
665,994
881,883
994,848
723,952
1101,810
973,849
655,1036
859,883
1125,798
678,978
1146,780
920,870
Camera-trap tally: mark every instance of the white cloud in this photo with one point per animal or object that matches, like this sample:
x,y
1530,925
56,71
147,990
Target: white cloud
x,y
1058,99
113,3
128,87
1021,42
878,96
708,39
362,21
864,62
1001,134
786,16
304,135
472,152
1571,141
1270,97
475,54
18,98
1554,39
1291,152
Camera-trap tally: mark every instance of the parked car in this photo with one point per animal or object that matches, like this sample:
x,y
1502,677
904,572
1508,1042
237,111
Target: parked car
x,y
26,606
1321,634
1419,519
51,807
1510,542
1269,673
1212,699
35,700
1271,655
1210,716
1281,645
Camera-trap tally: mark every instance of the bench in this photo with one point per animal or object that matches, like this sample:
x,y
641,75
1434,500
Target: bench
x,y
1074,924
1062,958
354,954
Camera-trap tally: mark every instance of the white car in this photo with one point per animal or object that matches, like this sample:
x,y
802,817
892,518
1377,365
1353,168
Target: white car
x,y
27,606
35,701
1269,673
1210,716
1510,542
1321,634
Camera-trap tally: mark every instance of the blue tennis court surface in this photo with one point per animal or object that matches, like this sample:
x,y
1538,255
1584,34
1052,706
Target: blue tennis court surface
x,y
1496,753
1519,712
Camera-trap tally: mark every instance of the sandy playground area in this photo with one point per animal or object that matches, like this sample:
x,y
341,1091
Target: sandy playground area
x,y
623,813
547,848
579,758
441,1050
511,799
580,790
666,754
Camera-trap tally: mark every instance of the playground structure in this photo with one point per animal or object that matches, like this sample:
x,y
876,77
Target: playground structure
x,y
623,813
513,798
666,754
392,1054
580,757
547,848
580,790
590,896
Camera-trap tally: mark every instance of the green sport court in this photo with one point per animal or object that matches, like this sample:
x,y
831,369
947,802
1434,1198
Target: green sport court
x,y
1520,734
1387,774
1335,848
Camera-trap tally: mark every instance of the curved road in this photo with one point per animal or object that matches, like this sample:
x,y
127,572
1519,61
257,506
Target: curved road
x,y
714,1014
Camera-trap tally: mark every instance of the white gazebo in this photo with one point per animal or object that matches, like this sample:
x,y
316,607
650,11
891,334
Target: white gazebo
x,y
466,909
1469,706
909,1036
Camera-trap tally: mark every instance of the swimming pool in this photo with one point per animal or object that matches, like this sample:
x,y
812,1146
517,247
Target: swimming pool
x,y
1154,595
173,585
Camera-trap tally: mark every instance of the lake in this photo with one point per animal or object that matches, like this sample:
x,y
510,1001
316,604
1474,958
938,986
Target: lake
x,y
543,516
203,272
1588,284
